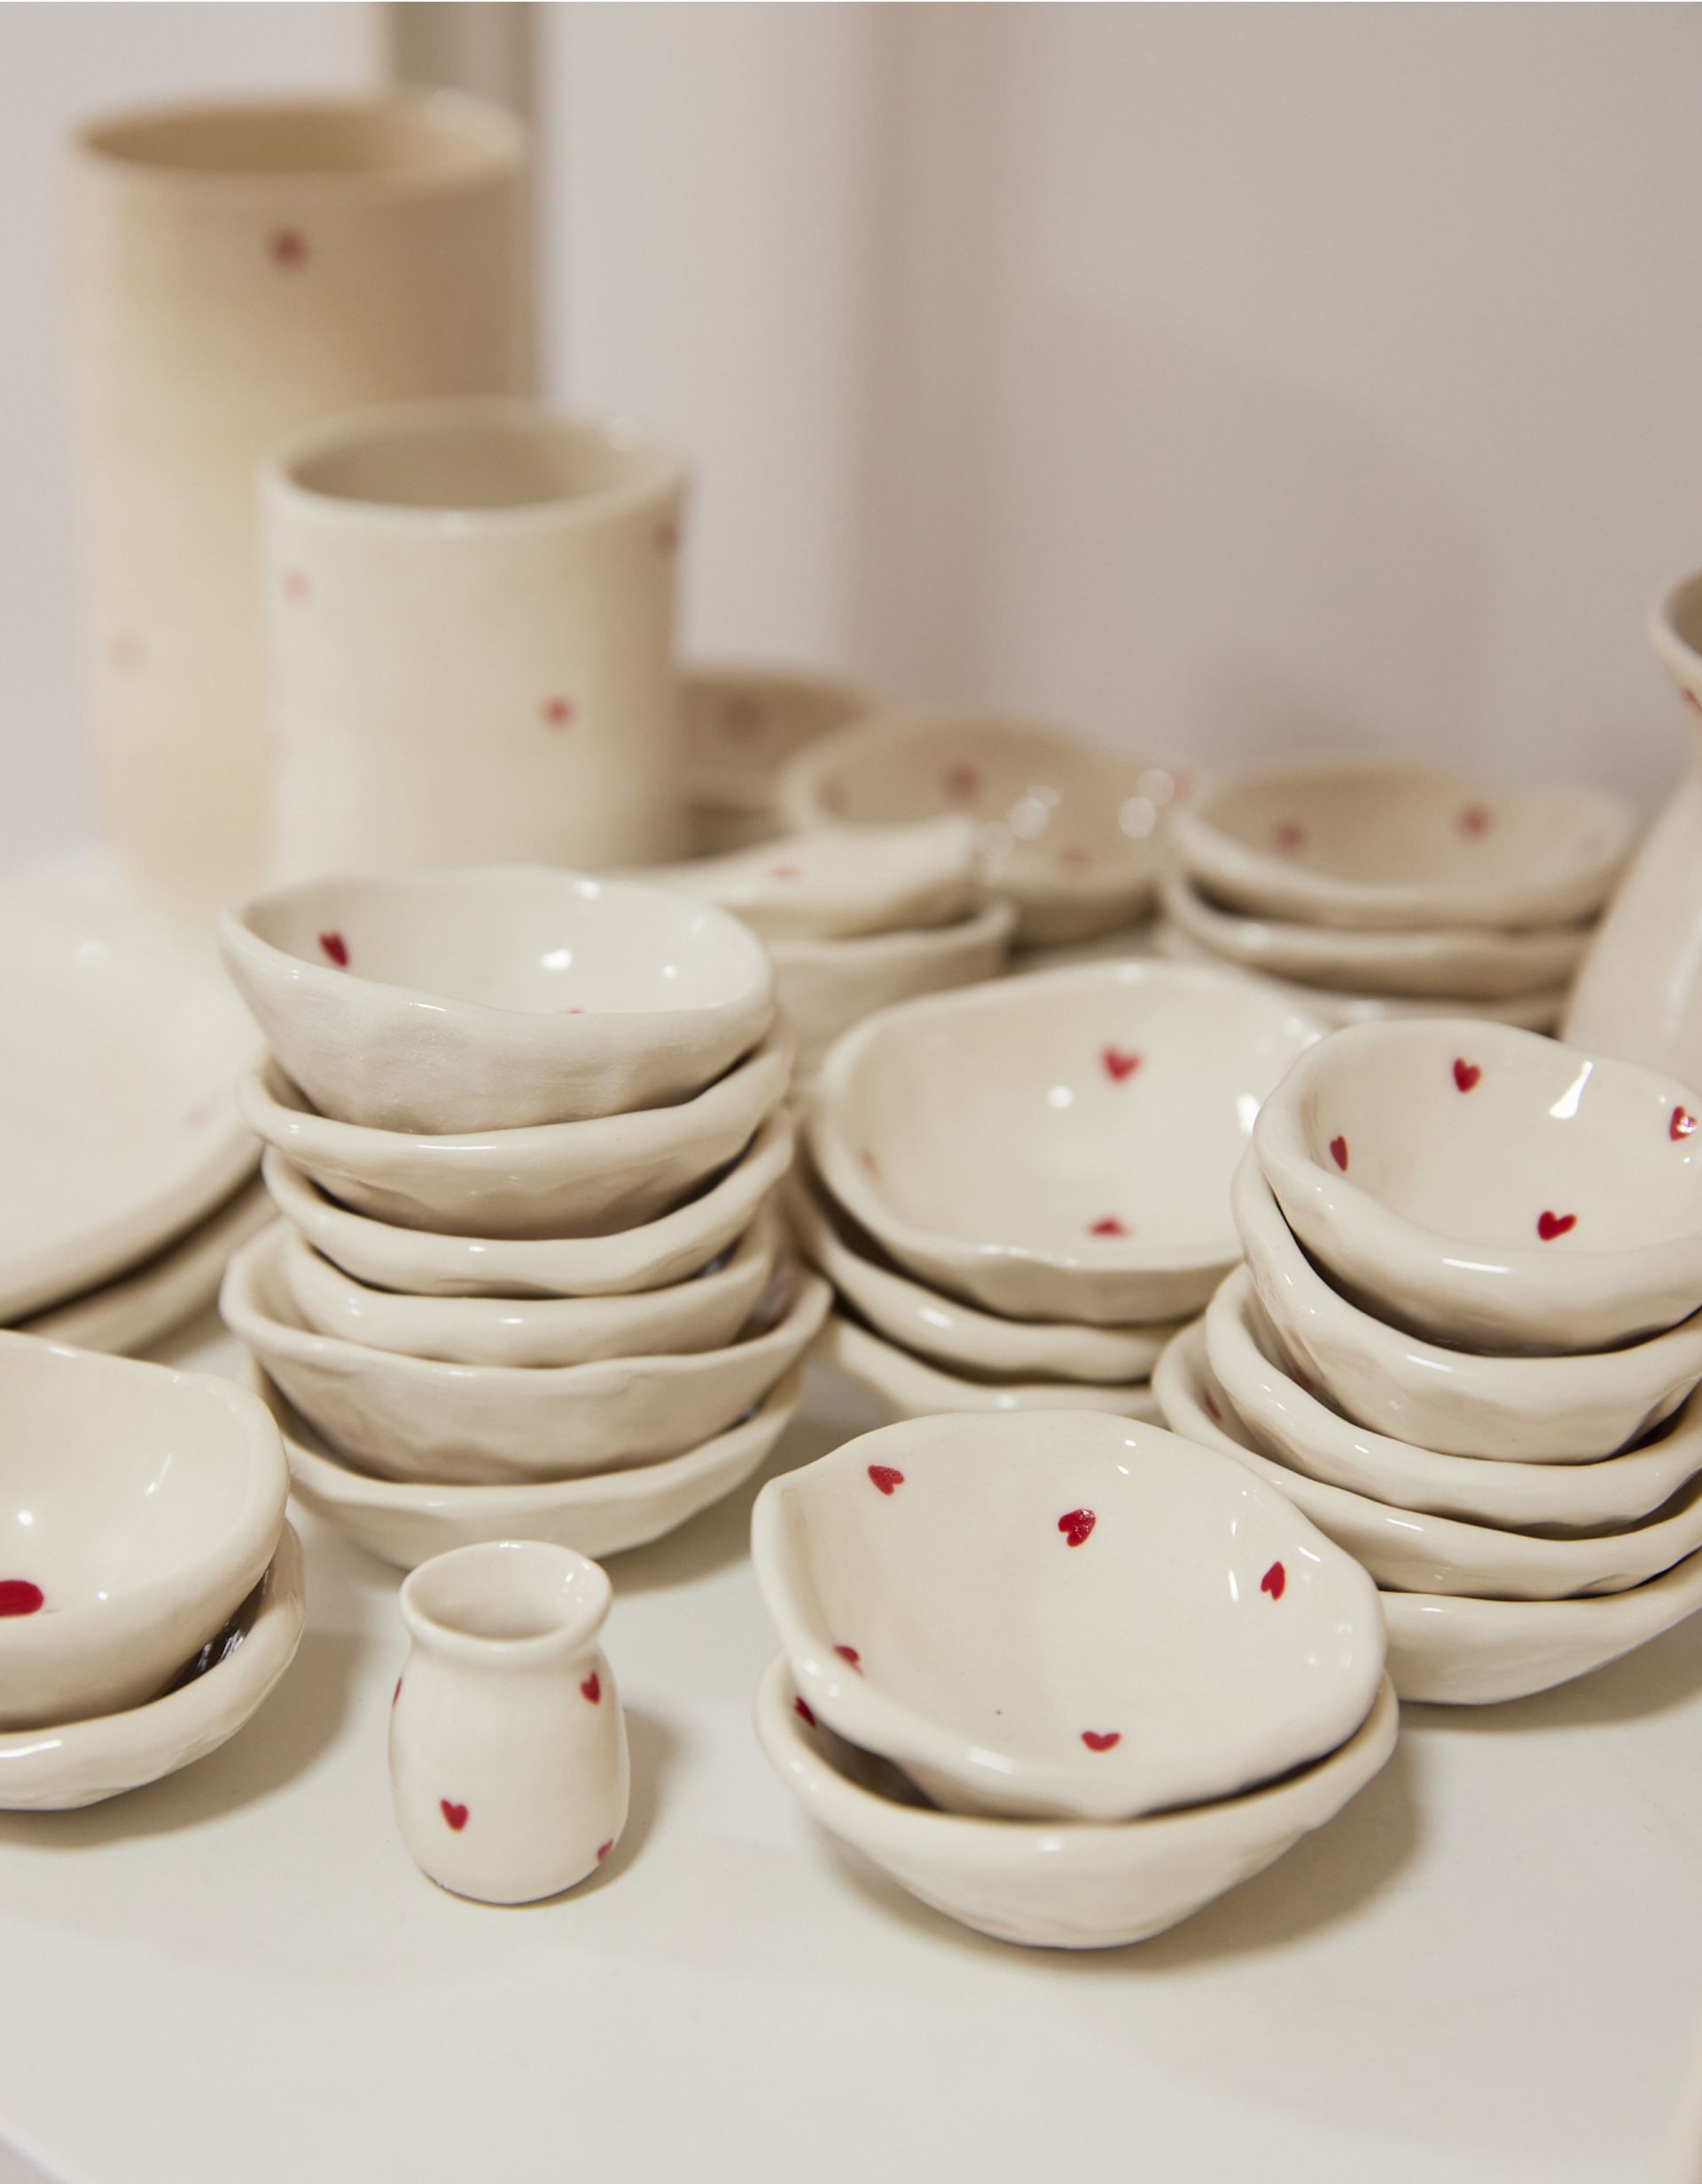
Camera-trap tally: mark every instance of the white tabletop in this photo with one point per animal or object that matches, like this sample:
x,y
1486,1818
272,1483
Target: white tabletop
x,y
1488,1968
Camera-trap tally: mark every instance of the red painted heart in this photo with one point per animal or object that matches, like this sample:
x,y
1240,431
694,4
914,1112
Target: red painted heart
x,y
296,585
591,1688
455,1814
1101,1740
1551,1225
1212,1409
1075,1525
1290,835
1682,1124
603,1850
396,1694
20,1597
288,246
1467,1074
1474,819
961,783
800,1707
1275,1581
786,872
336,947
850,1654
885,1477
1339,1152
1119,1063
1107,1225
558,711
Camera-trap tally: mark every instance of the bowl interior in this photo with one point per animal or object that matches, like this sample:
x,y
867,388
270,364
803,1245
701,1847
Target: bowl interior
x,y
753,720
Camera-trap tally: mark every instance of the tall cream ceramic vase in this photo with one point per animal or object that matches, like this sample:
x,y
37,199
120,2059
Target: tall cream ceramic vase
x,y
471,612
235,274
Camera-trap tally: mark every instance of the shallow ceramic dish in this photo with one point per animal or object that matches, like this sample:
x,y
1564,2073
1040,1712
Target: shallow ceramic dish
x,y
1068,828
119,1047
603,1514
415,1418
671,1248
1525,1409
1491,1189
138,1506
835,885
1307,1433
703,1314
743,724
216,1693
1057,1147
556,1179
827,985
1389,844
1480,960
913,1387
491,1000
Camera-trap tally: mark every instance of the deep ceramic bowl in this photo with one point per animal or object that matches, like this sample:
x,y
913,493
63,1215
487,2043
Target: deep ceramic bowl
x,y
1063,1615
916,1387
837,884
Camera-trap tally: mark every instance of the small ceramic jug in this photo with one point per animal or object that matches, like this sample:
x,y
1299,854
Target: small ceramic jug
x,y
508,1748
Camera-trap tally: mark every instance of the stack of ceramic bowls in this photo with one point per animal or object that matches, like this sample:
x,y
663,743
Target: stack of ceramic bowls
x,y
742,725
1388,888
992,1627
524,1129
1018,1191
149,1589
1467,1341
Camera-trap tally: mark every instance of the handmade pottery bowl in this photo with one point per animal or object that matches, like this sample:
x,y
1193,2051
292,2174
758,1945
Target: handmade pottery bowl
x,y
1488,1187
556,1178
1183,1633
835,885
218,1691
671,1248
827,985
138,1506
743,724
1570,1409
1057,1147
1067,827
915,1387
416,1418
496,999
1079,1885
1391,844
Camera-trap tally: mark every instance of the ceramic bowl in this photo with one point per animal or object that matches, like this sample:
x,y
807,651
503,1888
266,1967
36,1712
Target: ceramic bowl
x,y
827,985
913,1387
835,885
1391,844
416,1418
743,724
1081,1886
556,1179
671,1248
1491,1189
1062,1615
216,1693
462,1002
1067,827
1480,960
1057,1147
138,1506
956,1335
1525,1409
1307,1433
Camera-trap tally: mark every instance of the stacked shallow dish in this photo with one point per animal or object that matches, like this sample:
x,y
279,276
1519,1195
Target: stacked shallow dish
x,y
1467,1343
1018,1191
574,1319
1385,886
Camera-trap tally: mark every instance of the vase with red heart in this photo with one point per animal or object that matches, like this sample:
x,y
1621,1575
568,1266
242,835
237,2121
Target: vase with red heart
x,y
508,1747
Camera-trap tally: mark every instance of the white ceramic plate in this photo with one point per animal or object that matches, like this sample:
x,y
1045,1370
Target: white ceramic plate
x,y
915,1387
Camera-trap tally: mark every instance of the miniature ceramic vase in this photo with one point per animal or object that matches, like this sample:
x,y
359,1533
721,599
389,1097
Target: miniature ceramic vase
x,y
508,1748
1639,993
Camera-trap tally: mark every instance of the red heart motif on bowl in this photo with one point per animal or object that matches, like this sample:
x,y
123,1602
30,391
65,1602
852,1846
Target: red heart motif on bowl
x,y
1275,1581
592,1687
455,1814
885,1477
1467,1074
1551,1225
1119,1063
1075,1525
1101,1740
1339,1152
1682,1124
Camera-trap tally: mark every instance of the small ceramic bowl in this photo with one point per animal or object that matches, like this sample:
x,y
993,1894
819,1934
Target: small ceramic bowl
x,y
1081,1885
462,1002
1491,1189
1525,1409
835,885
743,724
138,1507
1391,844
1182,1632
671,1248
216,1693
913,1387
827,985
1306,1432
557,1179
1057,1147
1067,827
415,1418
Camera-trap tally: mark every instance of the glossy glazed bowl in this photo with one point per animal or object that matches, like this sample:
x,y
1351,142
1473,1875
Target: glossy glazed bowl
x,y
916,1387
836,885
827,985
1062,1615
1491,1189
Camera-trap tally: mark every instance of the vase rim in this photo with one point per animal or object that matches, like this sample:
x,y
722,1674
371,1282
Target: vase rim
x,y
507,1603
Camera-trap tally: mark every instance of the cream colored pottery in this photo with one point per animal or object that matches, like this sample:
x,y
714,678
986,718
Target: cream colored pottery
x,y
835,885
457,1002
1392,843
138,1507
603,1514
1568,1409
78,1763
120,1048
702,1314
1082,1885
508,1746
1069,828
824,987
672,1248
416,1418
915,1387
1307,1433
1184,1633
470,630
1057,1147
743,724
235,273
1491,1189
1479,962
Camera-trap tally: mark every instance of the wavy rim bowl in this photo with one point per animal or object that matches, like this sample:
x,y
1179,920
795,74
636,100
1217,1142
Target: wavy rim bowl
x,y
743,719
916,1387
825,986
834,884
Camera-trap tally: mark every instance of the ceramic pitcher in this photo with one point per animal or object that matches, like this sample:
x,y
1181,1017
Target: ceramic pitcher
x,y
508,1748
